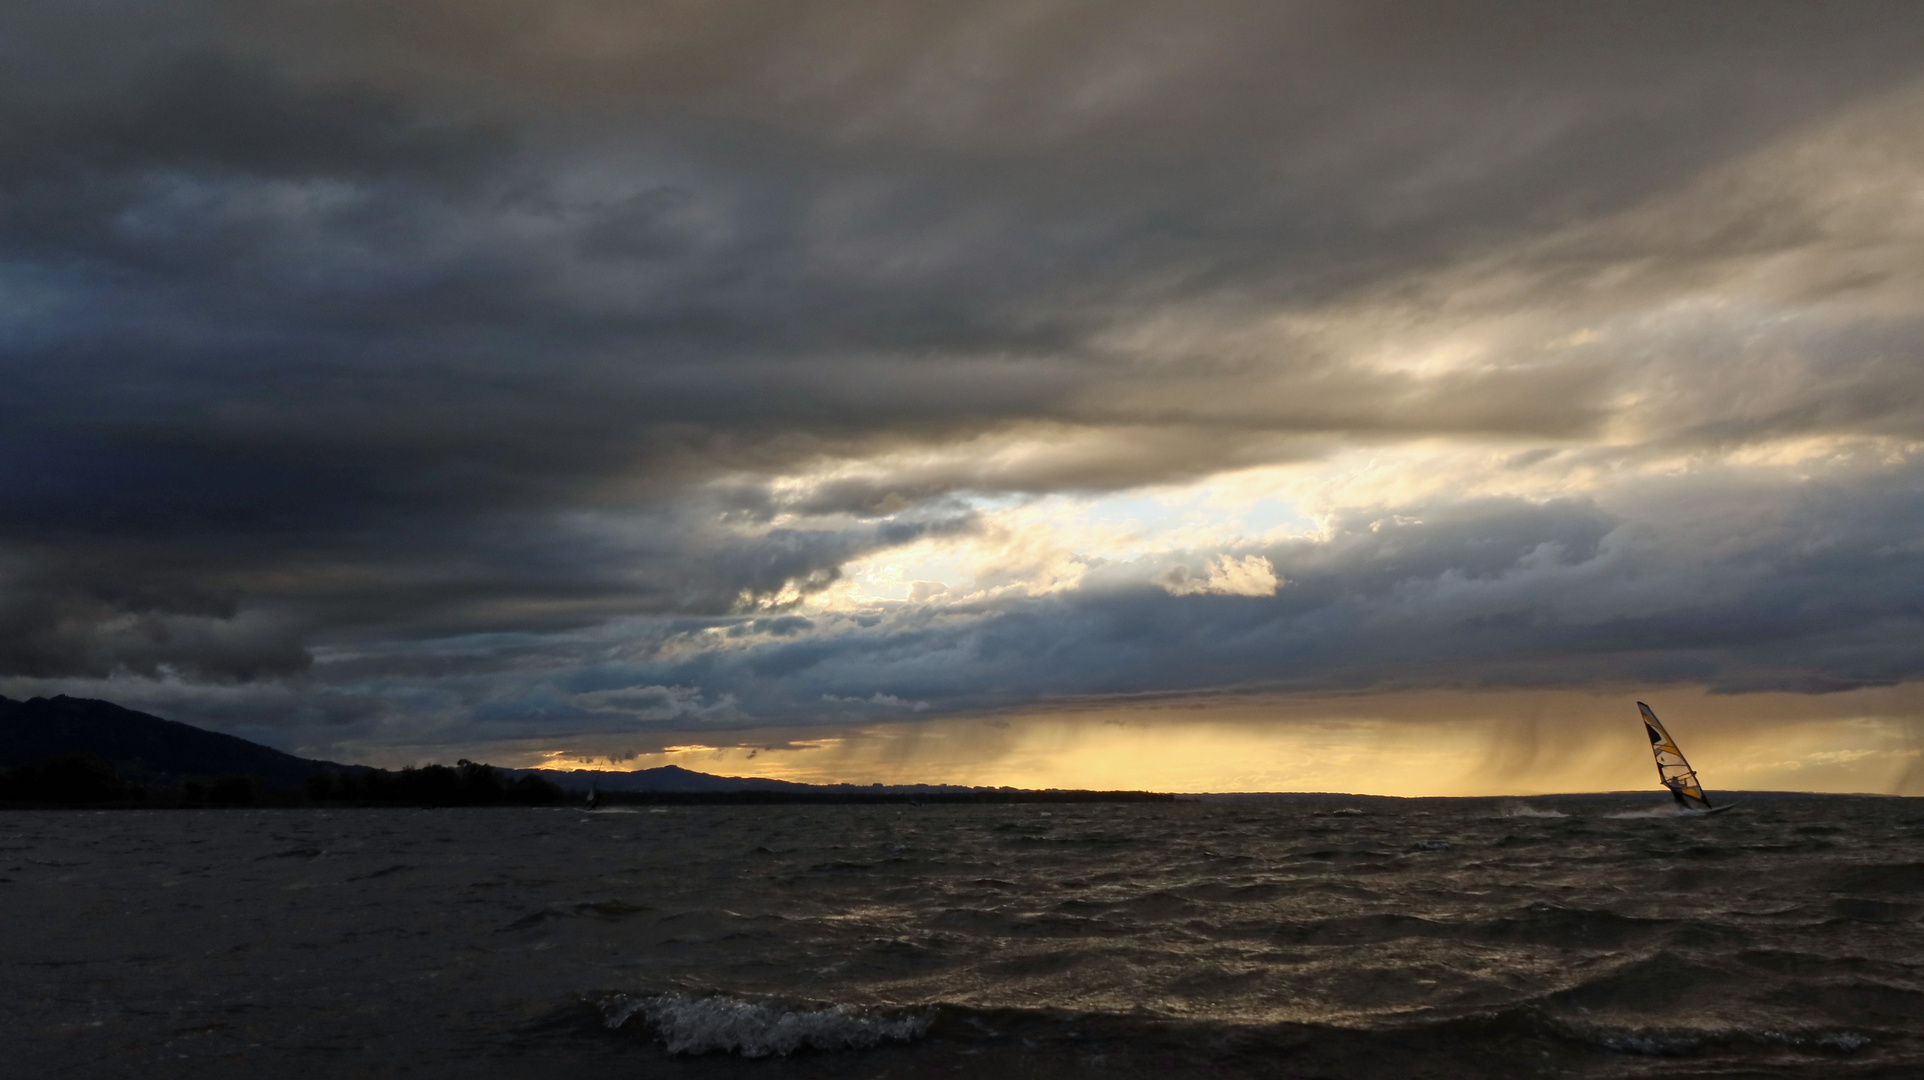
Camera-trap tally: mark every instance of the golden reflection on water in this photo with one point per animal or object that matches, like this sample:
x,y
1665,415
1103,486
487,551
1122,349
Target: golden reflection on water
x,y
1418,743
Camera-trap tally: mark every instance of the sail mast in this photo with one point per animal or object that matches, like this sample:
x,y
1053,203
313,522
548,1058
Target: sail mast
x,y
1672,769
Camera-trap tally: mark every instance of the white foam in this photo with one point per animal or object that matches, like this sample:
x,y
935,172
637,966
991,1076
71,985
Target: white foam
x,y
1630,1042
1526,810
694,1024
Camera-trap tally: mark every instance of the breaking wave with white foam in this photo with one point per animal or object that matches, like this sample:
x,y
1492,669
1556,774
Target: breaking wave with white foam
x,y
1525,810
702,1024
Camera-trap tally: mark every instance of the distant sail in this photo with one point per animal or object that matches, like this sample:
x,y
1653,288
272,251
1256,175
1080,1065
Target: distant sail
x,y
1672,769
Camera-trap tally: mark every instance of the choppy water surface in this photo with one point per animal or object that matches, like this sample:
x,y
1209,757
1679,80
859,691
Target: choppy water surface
x,y
1343,938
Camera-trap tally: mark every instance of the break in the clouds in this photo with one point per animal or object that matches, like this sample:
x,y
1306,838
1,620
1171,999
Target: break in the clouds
x,y
419,371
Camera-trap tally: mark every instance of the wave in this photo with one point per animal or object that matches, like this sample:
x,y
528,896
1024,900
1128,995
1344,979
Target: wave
x,y
1652,812
708,1023
1525,810
1568,927
934,1038
1903,878
1710,1042
1360,929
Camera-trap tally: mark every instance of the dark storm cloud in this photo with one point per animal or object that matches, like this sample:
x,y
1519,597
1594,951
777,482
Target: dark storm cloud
x,y
332,330
219,111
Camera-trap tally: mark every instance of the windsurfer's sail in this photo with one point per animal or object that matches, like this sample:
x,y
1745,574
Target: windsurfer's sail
x,y
1672,769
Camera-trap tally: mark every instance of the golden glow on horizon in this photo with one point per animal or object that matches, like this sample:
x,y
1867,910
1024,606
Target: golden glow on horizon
x,y
1409,744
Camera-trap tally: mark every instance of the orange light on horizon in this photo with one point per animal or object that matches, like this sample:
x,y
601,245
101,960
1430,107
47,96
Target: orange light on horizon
x,y
1409,744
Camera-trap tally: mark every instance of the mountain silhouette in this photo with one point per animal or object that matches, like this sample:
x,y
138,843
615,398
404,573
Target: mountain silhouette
x,y
146,749
142,748
664,778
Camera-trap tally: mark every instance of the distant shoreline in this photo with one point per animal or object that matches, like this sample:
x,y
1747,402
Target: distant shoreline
x,y
990,796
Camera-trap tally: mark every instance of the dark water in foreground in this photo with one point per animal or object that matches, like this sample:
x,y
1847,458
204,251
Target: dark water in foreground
x,y
1354,939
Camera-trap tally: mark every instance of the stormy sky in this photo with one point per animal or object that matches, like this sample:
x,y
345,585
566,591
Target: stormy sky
x,y
408,373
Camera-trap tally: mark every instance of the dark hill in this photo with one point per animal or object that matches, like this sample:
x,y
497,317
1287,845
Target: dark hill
x,y
146,750
142,748
664,778
673,780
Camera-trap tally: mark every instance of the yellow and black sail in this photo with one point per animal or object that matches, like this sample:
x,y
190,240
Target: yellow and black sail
x,y
1675,772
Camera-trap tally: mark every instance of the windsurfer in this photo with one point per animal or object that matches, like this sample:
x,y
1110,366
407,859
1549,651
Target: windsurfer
x,y
1672,770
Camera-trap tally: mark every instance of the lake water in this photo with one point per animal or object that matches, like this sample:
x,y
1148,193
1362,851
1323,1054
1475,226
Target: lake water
x,y
1603,937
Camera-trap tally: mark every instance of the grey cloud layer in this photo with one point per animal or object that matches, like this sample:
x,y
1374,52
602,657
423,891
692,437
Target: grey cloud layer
x,y
333,330
1746,590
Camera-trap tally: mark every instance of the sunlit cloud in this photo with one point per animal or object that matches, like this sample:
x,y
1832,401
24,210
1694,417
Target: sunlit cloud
x,y
1252,575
